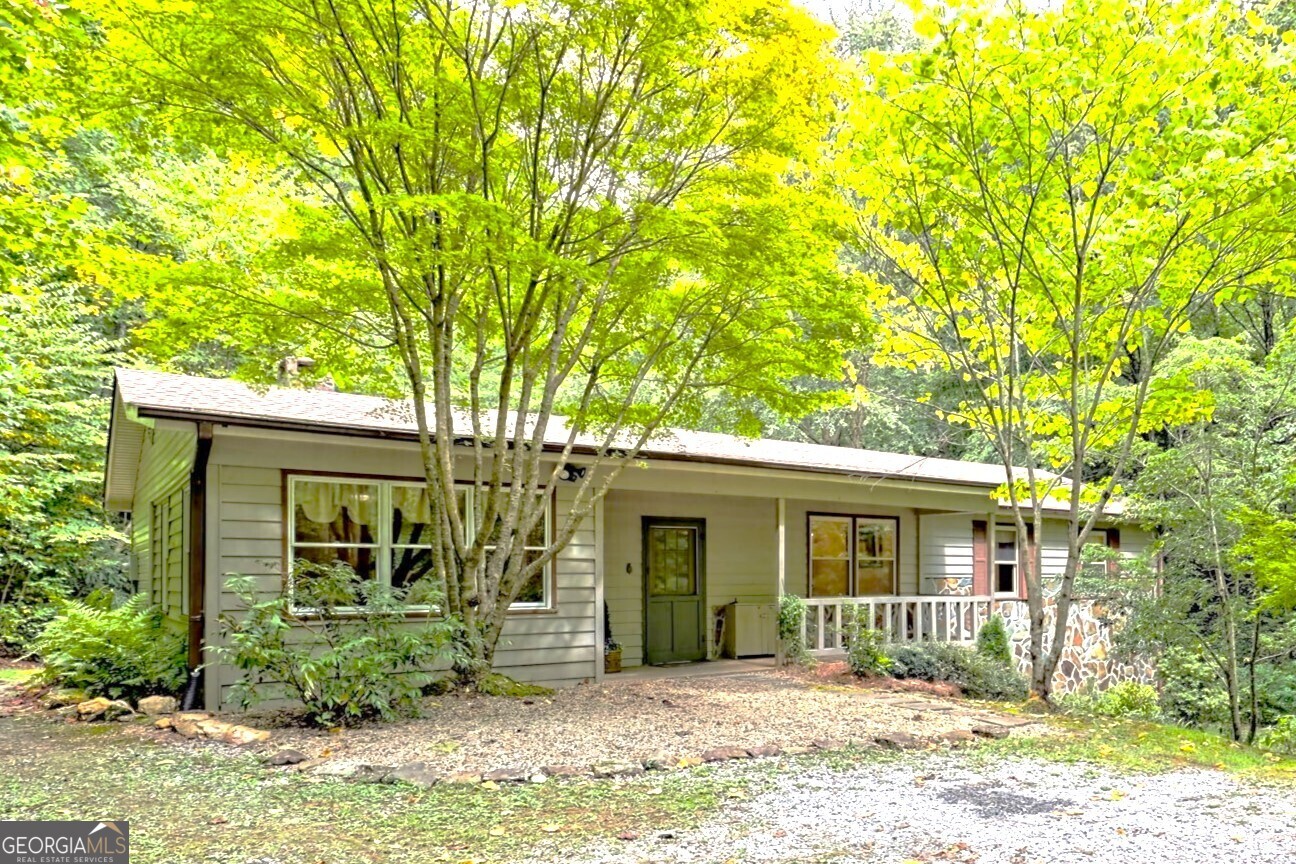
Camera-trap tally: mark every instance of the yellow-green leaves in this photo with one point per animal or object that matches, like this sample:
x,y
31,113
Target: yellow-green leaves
x,y
1051,195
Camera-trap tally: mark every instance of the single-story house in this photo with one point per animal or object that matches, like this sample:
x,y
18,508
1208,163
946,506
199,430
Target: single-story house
x,y
690,551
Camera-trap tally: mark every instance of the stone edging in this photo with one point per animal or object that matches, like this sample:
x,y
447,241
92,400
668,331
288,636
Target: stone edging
x,y
418,773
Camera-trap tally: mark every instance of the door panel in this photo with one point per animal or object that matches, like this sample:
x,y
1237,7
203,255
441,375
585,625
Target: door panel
x,y
674,587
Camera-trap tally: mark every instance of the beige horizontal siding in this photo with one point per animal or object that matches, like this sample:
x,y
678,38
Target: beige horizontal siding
x,y
555,648
741,555
945,552
162,563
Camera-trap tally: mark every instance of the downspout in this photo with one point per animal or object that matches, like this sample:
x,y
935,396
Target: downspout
x,y
197,561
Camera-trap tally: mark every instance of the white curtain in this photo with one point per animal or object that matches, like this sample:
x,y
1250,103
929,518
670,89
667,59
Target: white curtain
x,y
323,502
413,503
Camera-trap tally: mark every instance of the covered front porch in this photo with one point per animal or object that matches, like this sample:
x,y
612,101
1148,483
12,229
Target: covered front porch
x,y
697,574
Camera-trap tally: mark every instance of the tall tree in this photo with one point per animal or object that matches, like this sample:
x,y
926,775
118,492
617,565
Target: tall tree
x,y
1219,490
54,537
1053,195
604,210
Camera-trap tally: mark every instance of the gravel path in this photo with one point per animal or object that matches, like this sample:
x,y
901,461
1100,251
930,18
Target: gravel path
x,y
632,720
945,808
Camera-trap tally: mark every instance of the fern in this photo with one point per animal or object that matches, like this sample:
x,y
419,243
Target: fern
x,y
123,652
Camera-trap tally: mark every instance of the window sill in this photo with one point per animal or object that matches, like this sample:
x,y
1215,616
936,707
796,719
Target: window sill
x,y
354,613
533,610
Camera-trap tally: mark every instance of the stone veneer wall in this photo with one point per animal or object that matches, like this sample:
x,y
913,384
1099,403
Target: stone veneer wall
x,y
1087,660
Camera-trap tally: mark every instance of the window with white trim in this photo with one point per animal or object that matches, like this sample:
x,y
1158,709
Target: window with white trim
x,y
1006,560
382,529
852,556
1095,564
534,594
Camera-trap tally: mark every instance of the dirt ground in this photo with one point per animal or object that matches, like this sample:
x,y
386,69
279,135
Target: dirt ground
x,y
631,720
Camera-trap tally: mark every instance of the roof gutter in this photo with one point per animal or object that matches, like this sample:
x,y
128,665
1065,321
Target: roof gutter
x,y
197,564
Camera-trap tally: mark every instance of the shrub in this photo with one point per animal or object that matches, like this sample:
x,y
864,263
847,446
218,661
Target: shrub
x,y
976,676
24,617
1191,691
343,666
866,654
1280,737
992,642
123,652
792,612
1128,699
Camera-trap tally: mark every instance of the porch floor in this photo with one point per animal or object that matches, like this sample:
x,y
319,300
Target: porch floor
x,y
700,669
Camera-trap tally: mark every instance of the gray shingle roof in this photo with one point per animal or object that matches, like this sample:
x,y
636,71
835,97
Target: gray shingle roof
x,y
160,394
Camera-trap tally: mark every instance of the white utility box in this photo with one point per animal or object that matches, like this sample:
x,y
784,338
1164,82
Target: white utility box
x,y
751,630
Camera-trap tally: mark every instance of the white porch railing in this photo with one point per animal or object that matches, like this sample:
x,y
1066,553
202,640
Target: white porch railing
x,y
828,620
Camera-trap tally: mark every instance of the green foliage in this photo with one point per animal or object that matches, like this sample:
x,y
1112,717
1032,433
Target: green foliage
x,y
1219,492
1191,692
25,616
54,538
1138,747
977,676
353,656
605,210
1266,548
992,642
791,618
866,653
120,652
1012,127
1281,737
1128,699
1125,700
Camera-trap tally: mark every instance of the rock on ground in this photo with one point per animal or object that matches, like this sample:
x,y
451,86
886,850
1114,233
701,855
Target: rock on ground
x,y
154,706
636,721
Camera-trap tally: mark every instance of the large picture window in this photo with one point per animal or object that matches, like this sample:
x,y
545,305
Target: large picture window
x,y
853,556
382,529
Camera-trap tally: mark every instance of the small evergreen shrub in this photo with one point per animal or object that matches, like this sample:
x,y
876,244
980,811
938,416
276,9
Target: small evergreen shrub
x,y
866,654
976,676
992,642
122,653
355,657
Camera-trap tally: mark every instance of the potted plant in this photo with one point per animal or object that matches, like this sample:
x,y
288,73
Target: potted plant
x,y
611,647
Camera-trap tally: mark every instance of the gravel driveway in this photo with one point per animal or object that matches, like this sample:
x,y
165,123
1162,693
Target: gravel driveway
x,y
947,808
634,720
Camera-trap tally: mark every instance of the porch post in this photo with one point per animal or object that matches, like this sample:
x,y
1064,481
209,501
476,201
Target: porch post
x,y
599,634
781,509
782,547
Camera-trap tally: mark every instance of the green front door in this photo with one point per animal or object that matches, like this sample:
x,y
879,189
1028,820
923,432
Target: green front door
x,y
674,585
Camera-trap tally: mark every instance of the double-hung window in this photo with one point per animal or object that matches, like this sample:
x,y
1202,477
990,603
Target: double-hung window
x,y
382,530
852,556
